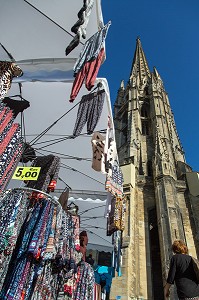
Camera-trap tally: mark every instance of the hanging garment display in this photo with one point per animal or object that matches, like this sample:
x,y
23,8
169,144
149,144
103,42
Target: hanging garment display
x,y
16,106
83,15
114,178
109,199
28,253
63,199
45,261
89,62
50,166
88,73
13,210
98,161
115,219
8,70
91,48
79,28
85,282
90,109
11,145
28,153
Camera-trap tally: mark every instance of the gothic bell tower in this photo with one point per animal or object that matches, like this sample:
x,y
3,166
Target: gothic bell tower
x,y
153,163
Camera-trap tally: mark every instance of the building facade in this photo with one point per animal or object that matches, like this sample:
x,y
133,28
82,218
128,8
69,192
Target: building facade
x,y
160,207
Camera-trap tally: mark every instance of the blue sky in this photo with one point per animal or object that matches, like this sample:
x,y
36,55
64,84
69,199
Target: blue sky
x,y
169,33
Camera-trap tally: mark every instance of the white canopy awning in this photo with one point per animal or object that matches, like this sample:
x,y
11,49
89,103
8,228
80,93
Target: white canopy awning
x,y
37,29
36,33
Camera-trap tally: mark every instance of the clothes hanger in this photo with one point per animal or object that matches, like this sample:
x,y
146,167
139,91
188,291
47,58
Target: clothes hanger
x,y
19,96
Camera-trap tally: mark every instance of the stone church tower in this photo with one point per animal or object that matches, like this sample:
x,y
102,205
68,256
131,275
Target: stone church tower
x,y
160,208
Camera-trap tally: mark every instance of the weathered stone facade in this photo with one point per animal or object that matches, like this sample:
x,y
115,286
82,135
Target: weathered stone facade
x,y
159,206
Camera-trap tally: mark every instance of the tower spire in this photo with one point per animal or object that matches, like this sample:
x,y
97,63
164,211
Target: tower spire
x,y
140,68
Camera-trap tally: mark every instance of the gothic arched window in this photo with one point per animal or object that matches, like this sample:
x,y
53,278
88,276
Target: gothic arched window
x,y
144,111
145,118
149,168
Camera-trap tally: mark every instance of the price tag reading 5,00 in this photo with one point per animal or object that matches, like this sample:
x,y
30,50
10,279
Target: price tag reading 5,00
x,y
26,173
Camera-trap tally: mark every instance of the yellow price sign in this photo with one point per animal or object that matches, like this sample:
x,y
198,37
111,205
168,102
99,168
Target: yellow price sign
x,y
26,173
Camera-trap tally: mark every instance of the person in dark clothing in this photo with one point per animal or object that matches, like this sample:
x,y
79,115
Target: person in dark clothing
x,y
181,273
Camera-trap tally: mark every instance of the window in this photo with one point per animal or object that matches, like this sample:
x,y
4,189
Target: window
x,y
149,168
145,127
124,136
144,111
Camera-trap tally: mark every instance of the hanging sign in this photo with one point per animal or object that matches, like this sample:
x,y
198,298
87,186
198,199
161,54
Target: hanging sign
x,y
26,173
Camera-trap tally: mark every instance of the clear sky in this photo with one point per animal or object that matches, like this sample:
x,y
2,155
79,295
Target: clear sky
x,y
169,33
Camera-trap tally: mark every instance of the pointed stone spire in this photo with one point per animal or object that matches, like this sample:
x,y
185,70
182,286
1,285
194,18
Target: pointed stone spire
x,y
156,74
140,68
157,83
122,84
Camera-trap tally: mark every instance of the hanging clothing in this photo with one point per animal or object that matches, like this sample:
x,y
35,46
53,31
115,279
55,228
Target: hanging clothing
x,y
63,199
109,199
8,138
11,145
50,166
115,220
114,178
83,15
43,258
9,164
16,106
98,161
73,44
91,48
11,226
28,253
79,28
111,227
85,282
8,70
88,73
90,109
28,153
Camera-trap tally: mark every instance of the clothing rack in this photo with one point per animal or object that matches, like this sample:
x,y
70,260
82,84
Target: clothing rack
x,y
53,200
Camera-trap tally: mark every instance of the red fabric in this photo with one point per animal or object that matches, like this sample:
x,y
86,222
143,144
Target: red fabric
x,y
5,122
88,73
8,137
